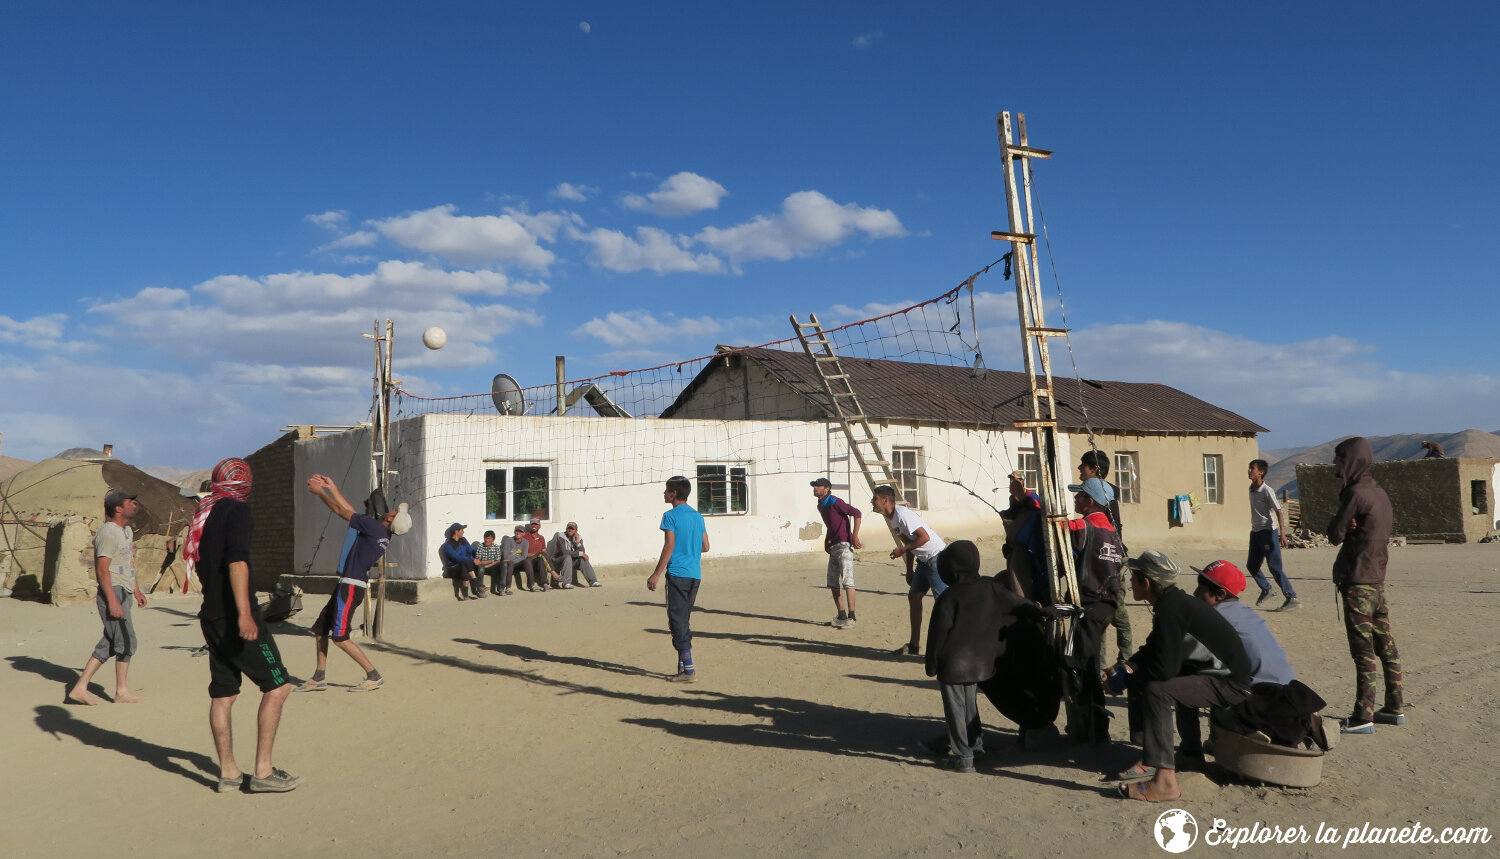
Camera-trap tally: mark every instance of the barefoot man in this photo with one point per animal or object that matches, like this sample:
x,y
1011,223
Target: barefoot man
x,y
114,567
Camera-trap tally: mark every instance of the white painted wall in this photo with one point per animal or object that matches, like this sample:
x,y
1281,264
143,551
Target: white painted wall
x,y
608,473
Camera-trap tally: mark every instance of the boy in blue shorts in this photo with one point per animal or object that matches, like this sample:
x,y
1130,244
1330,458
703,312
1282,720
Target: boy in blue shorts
x,y
684,540
364,544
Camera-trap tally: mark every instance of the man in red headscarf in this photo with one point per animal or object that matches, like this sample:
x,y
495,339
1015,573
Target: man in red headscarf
x,y
239,644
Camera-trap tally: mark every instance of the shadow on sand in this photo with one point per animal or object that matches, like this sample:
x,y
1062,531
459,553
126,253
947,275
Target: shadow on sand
x,y
58,721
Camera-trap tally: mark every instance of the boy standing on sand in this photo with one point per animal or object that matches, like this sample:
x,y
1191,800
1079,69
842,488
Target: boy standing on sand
x,y
1266,540
840,539
685,539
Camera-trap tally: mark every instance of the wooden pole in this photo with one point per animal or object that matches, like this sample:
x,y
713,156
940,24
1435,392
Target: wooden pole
x,y
562,385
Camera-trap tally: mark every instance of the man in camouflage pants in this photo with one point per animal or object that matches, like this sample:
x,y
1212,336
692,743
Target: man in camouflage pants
x,y
1362,531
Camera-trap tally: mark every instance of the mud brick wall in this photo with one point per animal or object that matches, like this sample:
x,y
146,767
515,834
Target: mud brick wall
x,y
1430,500
273,505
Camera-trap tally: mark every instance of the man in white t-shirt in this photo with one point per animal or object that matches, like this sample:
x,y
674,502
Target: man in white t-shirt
x,y
1266,539
920,547
114,567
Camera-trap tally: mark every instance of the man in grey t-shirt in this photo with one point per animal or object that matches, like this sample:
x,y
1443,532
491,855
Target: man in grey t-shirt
x,y
114,567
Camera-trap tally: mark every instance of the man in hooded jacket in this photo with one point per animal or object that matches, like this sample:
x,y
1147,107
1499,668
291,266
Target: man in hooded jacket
x,y
1362,531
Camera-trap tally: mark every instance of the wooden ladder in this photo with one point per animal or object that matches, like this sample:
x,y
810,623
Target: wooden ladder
x,y
852,419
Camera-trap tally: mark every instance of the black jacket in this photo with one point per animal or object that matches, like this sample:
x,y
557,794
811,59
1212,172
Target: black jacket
x,y
967,632
1177,616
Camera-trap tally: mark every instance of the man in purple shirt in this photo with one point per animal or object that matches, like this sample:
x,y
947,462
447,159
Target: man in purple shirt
x,y
840,539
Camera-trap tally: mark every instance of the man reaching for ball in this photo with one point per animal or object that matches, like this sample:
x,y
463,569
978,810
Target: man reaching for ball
x,y
365,542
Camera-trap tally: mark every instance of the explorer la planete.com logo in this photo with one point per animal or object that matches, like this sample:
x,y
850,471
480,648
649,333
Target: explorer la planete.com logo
x,y
1176,830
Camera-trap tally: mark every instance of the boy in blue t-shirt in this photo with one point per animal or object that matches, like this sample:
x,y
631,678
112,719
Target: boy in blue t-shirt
x,y
685,539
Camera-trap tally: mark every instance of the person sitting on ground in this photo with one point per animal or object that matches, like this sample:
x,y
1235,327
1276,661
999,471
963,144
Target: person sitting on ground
x,y
536,553
566,553
513,552
1188,640
963,647
489,560
457,556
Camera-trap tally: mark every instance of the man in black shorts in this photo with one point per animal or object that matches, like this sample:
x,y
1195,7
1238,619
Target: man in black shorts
x,y
364,544
239,645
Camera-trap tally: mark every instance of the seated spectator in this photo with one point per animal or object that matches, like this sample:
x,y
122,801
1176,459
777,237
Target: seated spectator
x,y
457,556
489,561
1192,658
513,555
566,554
536,553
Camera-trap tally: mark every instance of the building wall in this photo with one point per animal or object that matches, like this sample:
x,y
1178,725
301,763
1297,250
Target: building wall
x,y
273,504
1171,465
607,476
1431,498
742,390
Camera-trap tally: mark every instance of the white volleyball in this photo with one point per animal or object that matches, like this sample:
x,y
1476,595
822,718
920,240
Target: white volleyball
x,y
434,338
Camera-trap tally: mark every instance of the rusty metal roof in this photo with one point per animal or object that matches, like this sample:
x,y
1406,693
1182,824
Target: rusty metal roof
x,y
901,390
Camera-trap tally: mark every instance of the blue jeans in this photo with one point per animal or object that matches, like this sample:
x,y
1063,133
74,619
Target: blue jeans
x,y
681,594
1266,546
924,575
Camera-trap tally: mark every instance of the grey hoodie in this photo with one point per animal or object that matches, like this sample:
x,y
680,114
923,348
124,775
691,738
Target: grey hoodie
x,y
1362,527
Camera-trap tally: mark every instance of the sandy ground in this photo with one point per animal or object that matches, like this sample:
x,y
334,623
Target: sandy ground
x,y
540,724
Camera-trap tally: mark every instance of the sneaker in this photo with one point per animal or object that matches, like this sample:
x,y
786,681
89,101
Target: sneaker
x,y
567,587
684,677
1349,726
907,650
1390,717
279,781
1265,594
230,785
956,765
1291,604
313,686
507,592
596,584
851,623
368,685
839,622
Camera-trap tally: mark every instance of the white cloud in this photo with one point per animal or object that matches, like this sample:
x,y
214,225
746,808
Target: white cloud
x,y
637,329
651,250
807,223
585,26
330,220
358,239
866,40
467,240
573,193
681,194
38,332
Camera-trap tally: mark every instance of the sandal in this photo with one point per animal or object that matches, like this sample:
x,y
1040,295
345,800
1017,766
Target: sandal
x,y
1142,790
907,650
1131,775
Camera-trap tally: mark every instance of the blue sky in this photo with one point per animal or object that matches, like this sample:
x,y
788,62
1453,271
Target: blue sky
x,y
1282,208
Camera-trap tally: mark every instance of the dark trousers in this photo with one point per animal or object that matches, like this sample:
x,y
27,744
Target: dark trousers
x,y
1088,719
681,594
1266,546
1151,712
961,712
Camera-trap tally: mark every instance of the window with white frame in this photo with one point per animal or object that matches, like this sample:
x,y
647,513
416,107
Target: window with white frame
x,y
1213,478
723,489
906,466
1031,471
1126,476
516,492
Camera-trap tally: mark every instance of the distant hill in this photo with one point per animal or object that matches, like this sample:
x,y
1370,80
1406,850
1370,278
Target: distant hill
x,y
10,466
184,479
1475,443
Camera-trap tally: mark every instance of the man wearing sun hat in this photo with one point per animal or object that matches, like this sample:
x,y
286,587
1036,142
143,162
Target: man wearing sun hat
x,y
1159,674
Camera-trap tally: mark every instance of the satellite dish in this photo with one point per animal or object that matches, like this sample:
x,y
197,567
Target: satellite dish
x,y
507,395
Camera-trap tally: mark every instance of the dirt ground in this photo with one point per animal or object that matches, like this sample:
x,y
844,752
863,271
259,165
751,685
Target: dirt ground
x,y
541,724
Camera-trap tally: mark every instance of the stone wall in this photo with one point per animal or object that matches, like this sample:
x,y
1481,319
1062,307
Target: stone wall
x,y
1430,497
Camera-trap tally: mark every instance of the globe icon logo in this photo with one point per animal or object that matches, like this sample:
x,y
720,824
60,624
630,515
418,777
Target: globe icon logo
x,y
1176,830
